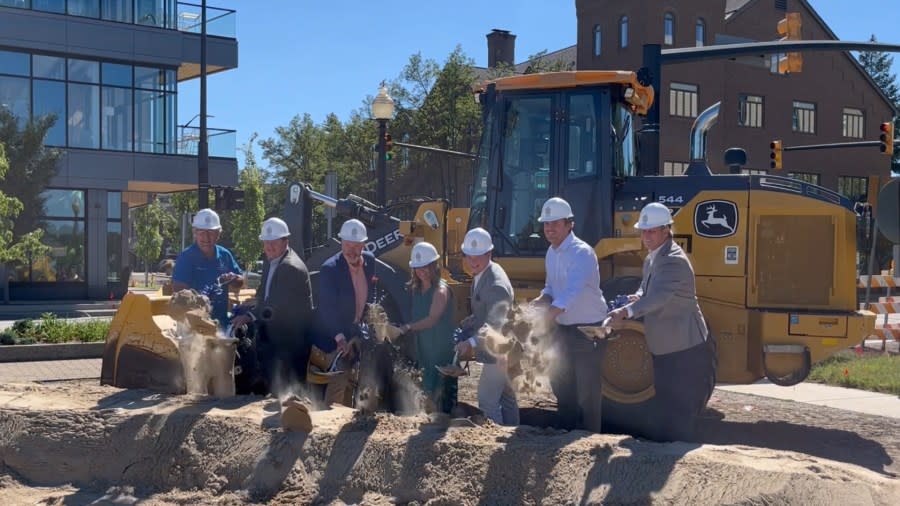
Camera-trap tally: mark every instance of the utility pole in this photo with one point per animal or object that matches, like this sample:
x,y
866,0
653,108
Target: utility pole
x,y
203,145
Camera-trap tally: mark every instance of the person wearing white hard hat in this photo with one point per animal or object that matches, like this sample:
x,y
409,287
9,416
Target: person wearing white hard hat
x,y
282,309
490,300
432,321
676,332
346,283
206,267
572,297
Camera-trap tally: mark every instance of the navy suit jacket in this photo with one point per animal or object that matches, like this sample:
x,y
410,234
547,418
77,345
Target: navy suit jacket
x,y
336,307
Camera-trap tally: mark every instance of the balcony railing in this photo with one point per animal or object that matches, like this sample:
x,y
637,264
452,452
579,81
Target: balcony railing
x,y
169,14
222,143
220,22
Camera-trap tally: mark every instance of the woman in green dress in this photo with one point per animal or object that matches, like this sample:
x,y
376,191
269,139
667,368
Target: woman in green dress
x,y
432,322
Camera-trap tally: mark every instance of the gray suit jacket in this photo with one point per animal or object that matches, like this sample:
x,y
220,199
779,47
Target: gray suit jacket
x,y
290,297
668,304
491,300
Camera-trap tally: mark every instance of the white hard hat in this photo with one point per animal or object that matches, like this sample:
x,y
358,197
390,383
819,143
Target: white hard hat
x,y
555,209
206,219
422,254
353,231
477,242
654,215
274,228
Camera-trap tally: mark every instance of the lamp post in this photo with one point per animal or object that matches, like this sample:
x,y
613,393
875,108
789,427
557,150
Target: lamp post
x,y
202,144
382,110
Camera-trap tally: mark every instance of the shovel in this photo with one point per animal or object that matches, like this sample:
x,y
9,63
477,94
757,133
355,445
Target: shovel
x,y
452,370
602,331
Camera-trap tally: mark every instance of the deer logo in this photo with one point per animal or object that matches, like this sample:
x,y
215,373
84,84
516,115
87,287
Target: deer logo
x,y
720,218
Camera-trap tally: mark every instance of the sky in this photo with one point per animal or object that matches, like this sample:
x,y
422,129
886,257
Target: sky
x,y
319,57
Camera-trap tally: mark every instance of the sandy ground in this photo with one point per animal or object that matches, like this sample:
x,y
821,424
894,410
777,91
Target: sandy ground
x,y
79,443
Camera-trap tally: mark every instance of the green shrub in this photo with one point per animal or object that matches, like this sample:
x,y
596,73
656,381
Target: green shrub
x,y
52,329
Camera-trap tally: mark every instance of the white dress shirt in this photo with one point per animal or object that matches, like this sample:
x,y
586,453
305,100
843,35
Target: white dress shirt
x,y
573,282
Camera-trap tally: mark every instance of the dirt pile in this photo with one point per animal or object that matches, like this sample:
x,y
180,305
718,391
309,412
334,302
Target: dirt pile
x,y
85,442
207,355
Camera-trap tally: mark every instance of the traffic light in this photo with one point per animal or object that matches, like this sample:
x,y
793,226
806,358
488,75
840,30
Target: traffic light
x,y
228,199
775,155
388,147
789,29
887,138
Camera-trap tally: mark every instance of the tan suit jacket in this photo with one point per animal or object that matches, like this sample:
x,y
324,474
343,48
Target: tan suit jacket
x,y
668,304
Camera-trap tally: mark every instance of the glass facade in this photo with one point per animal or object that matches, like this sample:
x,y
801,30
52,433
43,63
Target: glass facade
x,y
169,14
63,225
97,105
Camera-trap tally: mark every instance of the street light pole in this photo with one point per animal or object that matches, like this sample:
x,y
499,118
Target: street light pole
x,y
203,145
382,110
381,191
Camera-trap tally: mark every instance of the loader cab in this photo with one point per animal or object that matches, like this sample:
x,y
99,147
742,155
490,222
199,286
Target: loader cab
x,y
544,141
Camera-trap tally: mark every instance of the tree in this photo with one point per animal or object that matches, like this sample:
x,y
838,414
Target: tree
x,y
245,223
31,167
878,65
30,248
148,222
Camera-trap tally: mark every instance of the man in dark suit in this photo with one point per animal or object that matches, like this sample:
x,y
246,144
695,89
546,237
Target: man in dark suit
x,y
676,332
347,281
492,297
282,308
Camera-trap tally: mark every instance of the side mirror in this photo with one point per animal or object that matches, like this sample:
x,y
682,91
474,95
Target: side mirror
x,y
431,219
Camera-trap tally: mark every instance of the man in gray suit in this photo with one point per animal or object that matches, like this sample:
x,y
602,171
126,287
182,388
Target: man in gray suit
x,y
676,333
283,309
492,296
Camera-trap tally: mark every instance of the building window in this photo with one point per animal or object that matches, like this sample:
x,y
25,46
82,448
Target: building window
x,y
597,40
809,177
804,118
117,10
853,122
62,221
755,172
700,33
750,111
113,236
97,105
86,8
854,188
674,168
623,32
683,100
669,29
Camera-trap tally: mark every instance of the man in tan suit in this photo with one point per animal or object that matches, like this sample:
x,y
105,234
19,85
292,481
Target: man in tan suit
x,y
492,297
677,336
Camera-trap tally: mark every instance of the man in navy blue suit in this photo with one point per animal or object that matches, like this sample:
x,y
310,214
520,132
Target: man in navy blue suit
x,y
346,282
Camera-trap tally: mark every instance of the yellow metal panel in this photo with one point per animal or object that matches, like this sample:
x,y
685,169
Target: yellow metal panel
x,y
800,253
523,268
612,246
737,348
818,325
775,329
732,290
713,256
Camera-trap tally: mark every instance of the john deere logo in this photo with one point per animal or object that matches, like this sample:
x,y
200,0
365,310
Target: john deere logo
x,y
208,220
474,243
353,232
269,230
418,257
715,218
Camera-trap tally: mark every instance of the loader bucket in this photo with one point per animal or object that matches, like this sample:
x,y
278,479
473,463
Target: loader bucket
x,y
137,353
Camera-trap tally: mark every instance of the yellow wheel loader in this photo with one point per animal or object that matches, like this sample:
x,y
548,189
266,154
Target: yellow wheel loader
x,y
773,256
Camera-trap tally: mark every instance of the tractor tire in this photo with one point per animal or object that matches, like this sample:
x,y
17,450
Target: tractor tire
x,y
629,400
787,376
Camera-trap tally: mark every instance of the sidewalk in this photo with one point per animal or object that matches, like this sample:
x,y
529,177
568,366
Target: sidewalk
x,y
50,370
850,399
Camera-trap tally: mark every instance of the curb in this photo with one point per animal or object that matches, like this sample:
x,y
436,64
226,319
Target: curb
x,y
43,352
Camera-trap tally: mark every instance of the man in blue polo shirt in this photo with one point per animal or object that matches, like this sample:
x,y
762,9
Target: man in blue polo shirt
x,y
207,267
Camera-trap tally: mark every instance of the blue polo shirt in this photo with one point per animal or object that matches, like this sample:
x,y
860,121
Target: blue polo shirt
x,y
200,273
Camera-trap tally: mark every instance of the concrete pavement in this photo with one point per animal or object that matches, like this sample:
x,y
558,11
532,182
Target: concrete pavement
x,y
850,399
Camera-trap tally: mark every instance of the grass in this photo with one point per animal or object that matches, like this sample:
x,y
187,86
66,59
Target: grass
x,y
50,329
872,372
